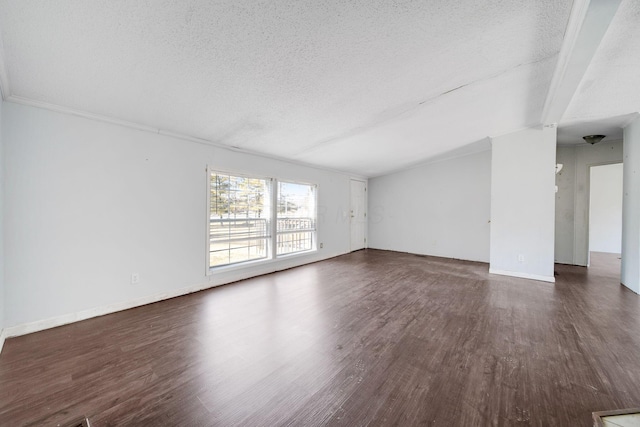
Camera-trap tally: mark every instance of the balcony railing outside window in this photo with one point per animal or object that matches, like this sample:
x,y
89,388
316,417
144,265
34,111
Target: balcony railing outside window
x,y
258,218
296,217
234,240
239,240
295,235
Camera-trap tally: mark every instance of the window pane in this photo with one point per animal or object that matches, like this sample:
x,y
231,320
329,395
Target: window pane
x,y
239,219
295,242
220,257
296,221
247,250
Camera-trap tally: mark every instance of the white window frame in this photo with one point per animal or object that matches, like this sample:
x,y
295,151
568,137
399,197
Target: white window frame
x,y
272,238
268,238
314,230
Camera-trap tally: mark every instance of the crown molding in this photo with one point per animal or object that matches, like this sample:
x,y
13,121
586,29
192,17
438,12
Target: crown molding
x,y
79,113
168,133
7,95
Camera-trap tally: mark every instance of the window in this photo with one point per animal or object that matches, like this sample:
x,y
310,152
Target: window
x,y
239,219
243,226
296,217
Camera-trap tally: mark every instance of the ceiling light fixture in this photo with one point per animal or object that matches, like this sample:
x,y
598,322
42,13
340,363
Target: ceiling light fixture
x,y
593,139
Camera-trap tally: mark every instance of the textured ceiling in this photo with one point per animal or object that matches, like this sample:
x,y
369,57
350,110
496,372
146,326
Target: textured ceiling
x,y
611,128
363,86
611,85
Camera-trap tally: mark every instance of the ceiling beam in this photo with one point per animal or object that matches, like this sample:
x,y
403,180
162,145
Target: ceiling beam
x,y
588,23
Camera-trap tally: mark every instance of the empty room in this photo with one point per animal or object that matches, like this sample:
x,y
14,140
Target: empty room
x,y
308,213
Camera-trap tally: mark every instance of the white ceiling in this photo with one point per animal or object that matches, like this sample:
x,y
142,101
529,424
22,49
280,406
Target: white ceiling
x,y
611,85
366,86
608,96
611,128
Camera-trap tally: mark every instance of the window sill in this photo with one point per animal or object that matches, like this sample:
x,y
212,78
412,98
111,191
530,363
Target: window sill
x,y
259,262
296,254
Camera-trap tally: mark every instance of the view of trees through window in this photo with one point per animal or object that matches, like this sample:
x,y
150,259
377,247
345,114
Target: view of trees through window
x,y
296,223
241,218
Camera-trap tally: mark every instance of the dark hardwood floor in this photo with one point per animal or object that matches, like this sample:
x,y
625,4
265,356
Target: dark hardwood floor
x,y
369,338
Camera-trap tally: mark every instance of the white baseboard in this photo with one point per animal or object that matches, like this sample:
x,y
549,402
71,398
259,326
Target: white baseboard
x,y
540,278
2,337
214,280
52,322
630,288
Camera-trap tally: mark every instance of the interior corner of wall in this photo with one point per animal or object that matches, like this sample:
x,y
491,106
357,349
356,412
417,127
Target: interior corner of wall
x,y
2,338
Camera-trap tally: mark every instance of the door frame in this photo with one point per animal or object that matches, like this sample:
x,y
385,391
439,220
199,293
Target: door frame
x,y
588,210
365,182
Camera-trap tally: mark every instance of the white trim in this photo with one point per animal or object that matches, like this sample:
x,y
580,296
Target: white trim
x,y
575,203
247,175
314,242
79,113
5,88
577,258
273,221
271,185
272,243
244,265
587,26
52,322
538,277
207,223
2,338
163,132
234,276
296,254
293,181
588,205
366,211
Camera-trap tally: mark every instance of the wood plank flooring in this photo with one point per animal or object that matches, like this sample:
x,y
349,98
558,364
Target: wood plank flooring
x,y
370,338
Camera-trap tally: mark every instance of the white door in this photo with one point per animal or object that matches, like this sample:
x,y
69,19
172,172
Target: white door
x,y
358,215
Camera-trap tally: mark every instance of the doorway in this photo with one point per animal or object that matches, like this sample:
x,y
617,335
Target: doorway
x,y
605,213
358,215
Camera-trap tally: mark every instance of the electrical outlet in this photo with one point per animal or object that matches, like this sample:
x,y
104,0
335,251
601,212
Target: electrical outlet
x,y
321,245
135,278
520,258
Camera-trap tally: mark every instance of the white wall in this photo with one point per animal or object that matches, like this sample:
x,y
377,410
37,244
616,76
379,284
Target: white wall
x,y
572,199
565,205
605,208
523,204
630,272
2,271
439,209
87,203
